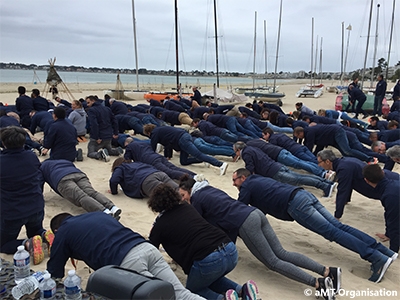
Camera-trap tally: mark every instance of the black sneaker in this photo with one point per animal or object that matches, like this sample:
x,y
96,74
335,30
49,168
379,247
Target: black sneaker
x,y
336,275
79,155
325,289
379,268
104,155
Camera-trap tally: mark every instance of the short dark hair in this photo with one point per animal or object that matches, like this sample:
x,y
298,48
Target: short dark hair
x,y
373,118
298,130
36,92
242,172
148,129
13,137
56,221
21,90
186,183
268,130
163,198
373,173
119,161
59,112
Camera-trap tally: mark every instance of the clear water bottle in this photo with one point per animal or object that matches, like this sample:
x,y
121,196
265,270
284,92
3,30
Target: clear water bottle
x,y
22,265
72,286
28,285
47,288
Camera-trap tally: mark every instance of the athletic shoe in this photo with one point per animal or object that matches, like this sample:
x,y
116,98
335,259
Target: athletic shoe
x,y
325,288
394,257
108,212
330,175
231,295
336,275
35,249
79,155
374,161
104,155
379,268
48,238
222,169
116,211
159,148
249,290
328,192
120,150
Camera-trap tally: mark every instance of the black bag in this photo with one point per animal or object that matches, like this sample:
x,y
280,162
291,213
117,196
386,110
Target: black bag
x,y
115,282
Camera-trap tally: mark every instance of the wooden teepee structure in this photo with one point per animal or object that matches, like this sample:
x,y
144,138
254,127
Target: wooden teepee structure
x,y
54,81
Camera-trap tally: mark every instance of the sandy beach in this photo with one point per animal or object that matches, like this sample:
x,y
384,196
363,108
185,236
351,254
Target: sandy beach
x,y
362,213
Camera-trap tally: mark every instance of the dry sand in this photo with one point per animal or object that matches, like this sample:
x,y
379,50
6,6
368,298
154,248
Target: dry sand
x,y
362,213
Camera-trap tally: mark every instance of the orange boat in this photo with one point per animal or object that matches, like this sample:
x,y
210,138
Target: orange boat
x,y
162,95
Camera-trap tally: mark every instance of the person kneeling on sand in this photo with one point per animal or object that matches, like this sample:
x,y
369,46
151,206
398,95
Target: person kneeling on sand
x,y
72,184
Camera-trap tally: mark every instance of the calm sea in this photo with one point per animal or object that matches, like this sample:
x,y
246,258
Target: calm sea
x,y
24,76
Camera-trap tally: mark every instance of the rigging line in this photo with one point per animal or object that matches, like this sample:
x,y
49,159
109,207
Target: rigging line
x,y
204,55
169,48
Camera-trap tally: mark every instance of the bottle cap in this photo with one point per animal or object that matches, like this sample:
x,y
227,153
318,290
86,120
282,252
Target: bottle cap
x,y
46,276
20,248
71,272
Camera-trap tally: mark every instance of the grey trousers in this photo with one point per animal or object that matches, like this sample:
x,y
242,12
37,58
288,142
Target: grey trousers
x,y
77,189
93,147
261,240
148,261
154,180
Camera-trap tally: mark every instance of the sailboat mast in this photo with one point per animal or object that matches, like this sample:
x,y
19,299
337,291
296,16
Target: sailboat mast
x,y
176,47
265,53
255,49
277,46
376,44
366,49
341,57
135,44
316,59
216,41
390,40
347,48
320,61
312,49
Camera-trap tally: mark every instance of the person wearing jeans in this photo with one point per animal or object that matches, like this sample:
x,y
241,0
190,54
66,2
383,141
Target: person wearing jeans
x,y
205,252
212,149
257,162
304,208
380,92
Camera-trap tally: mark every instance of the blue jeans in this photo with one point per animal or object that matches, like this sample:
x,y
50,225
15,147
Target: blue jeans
x,y
136,124
288,159
256,131
279,129
346,117
207,276
304,154
10,230
149,120
211,149
226,135
233,125
188,148
286,176
311,214
217,141
344,147
378,105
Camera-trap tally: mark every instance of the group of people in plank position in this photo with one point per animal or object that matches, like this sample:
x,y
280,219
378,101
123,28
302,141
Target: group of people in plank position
x,y
197,224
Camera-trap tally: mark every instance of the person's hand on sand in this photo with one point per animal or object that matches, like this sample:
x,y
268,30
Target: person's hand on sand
x,y
44,151
99,141
108,191
382,237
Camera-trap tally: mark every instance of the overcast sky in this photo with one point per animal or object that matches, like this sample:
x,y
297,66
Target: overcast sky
x,y
99,33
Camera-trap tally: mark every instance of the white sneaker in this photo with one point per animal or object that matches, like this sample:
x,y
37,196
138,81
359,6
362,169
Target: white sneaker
x,y
223,168
159,148
104,154
330,175
116,211
107,211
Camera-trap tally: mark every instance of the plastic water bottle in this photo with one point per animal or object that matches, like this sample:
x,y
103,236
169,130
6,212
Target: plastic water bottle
x,y
28,285
22,265
47,288
72,286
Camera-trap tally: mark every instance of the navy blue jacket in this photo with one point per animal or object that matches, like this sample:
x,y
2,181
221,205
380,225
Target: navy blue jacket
x,y
396,105
389,135
258,123
53,170
123,122
270,149
119,108
208,128
396,91
21,189
322,120
381,88
24,105
84,237
170,105
40,103
41,119
218,120
259,163
171,117
249,112
222,109
141,152
320,135
103,124
357,94
167,136
268,195
130,177
196,97
6,121
154,102
219,209
61,139
199,111
139,108
380,125
389,195
285,142
349,175
155,110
